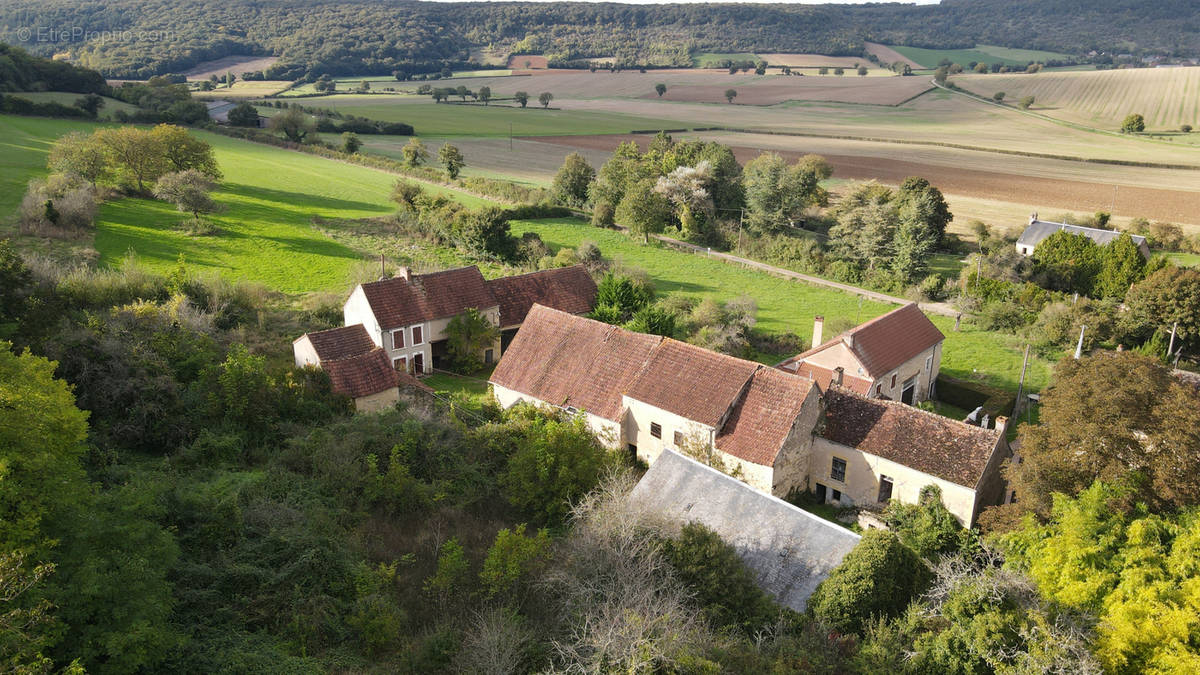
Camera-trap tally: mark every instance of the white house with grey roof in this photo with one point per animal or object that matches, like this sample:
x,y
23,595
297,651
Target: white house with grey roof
x,y
789,550
1038,230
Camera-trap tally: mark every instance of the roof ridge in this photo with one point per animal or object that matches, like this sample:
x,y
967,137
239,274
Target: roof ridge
x,y
889,402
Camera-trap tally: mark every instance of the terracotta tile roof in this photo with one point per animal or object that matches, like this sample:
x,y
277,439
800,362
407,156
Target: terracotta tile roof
x,y
885,342
340,343
936,445
366,374
824,376
763,418
400,302
692,382
568,289
567,360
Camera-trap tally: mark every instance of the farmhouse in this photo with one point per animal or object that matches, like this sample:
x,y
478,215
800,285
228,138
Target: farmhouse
x,y
868,451
407,315
1037,230
651,395
356,367
789,550
895,356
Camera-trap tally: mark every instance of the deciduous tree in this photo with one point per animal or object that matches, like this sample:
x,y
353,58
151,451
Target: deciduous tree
x,y
452,159
573,179
415,152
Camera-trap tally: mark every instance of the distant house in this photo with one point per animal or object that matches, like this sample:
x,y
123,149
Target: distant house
x,y
896,356
1037,230
218,111
356,366
868,451
649,395
407,315
789,550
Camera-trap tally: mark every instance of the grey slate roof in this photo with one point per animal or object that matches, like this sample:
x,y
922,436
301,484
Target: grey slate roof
x,y
789,549
1040,229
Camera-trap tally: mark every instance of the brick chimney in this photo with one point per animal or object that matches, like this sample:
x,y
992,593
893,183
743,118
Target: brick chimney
x,y
404,273
837,375
1033,218
818,329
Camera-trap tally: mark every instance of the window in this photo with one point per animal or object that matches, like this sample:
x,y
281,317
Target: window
x,y
398,338
837,496
656,429
838,472
928,363
417,338
891,387
885,489
400,364
678,439
488,355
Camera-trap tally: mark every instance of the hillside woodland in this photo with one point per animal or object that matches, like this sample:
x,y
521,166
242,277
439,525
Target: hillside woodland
x,y
314,37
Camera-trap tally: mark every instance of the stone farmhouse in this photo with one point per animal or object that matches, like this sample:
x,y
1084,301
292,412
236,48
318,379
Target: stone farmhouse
x,y
407,315
775,430
356,367
1037,230
896,356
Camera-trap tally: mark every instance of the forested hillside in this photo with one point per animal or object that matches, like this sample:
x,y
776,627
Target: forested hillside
x,y
321,36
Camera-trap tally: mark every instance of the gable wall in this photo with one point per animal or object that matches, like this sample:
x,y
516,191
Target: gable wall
x,y
358,310
304,352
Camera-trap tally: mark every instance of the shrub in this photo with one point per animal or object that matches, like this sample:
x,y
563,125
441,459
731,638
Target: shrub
x,y
724,588
58,206
877,579
603,214
1006,316
928,527
513,559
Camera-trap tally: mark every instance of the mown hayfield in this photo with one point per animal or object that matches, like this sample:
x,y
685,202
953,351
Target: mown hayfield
x,y
230,64
988,54
244,89
528,62
815,61
785,305
111,105
1166,97
270,196
453,119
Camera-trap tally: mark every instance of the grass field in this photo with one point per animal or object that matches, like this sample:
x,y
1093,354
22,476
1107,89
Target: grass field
x,y
1166,97
448,119
1184,259
243,89
111,105
980,54
24,144
699,59
787,305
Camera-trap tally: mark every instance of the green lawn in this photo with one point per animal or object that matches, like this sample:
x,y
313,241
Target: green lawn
x,y
111,105
271,197
448,119
701,58
948,265
788,305
981,54
1184,259
24,143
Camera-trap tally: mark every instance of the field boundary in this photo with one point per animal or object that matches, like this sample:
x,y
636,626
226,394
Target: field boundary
x,y
1071,125
963,146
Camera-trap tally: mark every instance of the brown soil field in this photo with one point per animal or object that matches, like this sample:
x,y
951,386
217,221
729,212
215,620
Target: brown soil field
x,y
829,88
517,62
237,64
1128,200
889,55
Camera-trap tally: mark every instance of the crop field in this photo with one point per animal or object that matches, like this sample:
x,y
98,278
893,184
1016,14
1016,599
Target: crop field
x,y
111,105
245,89
815,61
450,119
785,305
235,64
528,62
769,90
1166,97
888,55
989,54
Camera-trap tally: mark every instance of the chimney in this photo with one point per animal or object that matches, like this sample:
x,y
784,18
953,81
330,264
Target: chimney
x,y
1001,423
1033,218
404,273
837,375
818,328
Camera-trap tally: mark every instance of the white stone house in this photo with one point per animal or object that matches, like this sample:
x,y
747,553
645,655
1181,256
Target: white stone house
x,y
1037,230
407,315
355,365
895,356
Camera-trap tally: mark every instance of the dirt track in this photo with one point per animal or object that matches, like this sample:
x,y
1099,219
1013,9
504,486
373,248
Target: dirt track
x,y
1075,195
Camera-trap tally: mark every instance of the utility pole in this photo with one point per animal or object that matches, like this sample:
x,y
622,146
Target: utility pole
x,y
1021,385
1079,347
510,136
1171,346
382,267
